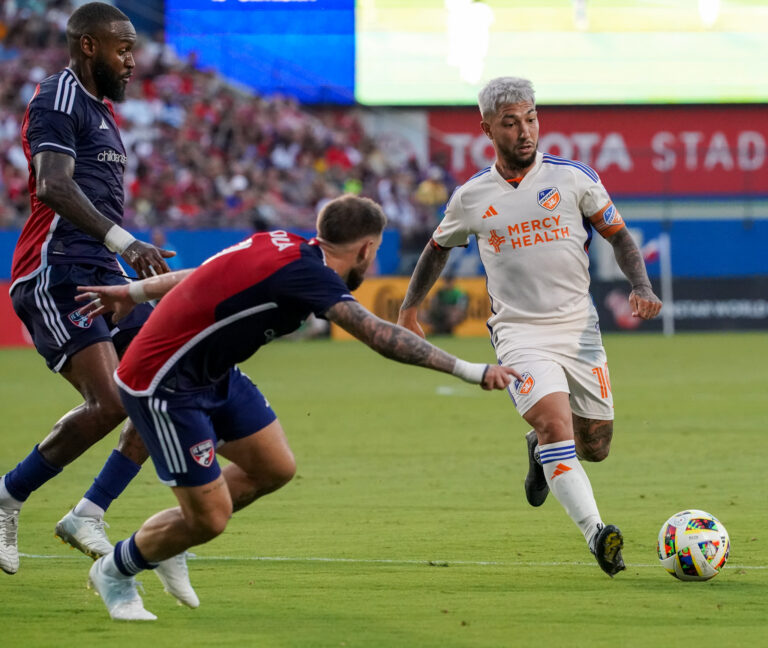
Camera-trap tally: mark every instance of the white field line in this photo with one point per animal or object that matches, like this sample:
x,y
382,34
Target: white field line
x,y
394,561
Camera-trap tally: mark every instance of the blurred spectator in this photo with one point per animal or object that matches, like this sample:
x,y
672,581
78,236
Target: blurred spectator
x,y
447,308
204,154
431,196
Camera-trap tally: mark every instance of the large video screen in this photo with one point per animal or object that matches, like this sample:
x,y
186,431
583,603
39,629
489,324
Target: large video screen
x,y
439,52
301,48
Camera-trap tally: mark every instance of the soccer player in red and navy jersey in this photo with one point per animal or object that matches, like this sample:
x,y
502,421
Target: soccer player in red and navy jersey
x,y
180,385
76,166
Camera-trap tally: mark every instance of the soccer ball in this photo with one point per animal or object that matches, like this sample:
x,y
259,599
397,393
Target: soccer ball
x,y
693,545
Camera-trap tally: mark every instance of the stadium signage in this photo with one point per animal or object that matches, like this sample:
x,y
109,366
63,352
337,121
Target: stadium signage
x,y
709,304
637,150
735,303
692,150
706,304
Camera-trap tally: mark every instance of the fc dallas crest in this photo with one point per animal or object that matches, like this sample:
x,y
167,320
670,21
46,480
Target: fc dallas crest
x,y
203,453
81,321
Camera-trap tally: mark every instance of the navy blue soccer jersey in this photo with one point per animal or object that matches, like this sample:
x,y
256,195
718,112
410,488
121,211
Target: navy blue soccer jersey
x,y
220,315
64,117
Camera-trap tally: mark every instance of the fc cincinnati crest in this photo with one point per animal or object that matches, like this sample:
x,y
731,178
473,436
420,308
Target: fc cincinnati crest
x,y
203,453
549,198
610,215
525,385
81,321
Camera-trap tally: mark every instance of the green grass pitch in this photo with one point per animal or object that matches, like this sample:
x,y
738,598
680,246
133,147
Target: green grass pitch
x,y
407,526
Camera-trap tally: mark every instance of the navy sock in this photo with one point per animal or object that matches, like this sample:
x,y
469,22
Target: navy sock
x,y
116,474
128,558
29,475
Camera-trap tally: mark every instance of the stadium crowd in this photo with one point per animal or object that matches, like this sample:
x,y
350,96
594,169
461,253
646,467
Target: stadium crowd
x,y
203,153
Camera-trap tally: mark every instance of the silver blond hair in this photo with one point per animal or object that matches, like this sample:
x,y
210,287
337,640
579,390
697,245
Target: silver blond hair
x,y
502,91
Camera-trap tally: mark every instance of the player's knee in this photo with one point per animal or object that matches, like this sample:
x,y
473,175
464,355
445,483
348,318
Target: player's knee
x,y
283,470
206,526
553,430
112,414
268,480
92,420
107,412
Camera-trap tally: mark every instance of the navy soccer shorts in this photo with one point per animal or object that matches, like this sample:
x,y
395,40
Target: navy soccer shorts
x,y
46,304
183,429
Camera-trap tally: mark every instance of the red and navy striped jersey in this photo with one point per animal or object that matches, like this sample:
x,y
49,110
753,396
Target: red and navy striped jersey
x,y
63,116
220,314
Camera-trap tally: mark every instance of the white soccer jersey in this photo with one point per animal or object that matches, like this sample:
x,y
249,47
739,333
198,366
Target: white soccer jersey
x,y
533,241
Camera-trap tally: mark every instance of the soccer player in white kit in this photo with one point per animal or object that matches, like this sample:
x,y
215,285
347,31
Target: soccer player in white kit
x,y
533,216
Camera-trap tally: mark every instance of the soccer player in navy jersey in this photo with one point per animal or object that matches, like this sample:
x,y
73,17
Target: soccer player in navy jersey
x,y
180,385
77,161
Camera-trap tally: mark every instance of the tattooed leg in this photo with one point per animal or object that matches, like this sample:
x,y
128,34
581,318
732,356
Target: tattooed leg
x,y
593,438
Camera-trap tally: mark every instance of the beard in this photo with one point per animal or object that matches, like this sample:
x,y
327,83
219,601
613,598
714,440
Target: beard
x,y
107,82
519,162
527,161
354,279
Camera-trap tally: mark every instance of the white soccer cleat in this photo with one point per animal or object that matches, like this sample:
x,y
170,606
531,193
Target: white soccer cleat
x,y
174,576
85,534
119,594
9,547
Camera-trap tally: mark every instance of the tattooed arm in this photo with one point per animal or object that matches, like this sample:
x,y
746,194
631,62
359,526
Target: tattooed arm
x,y
428,269
643,301
399,344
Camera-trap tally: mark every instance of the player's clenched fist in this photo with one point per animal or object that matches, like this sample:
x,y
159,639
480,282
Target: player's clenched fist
x,y
644,303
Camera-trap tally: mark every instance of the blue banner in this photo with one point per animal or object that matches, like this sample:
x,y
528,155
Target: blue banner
x,y
298,48
192,247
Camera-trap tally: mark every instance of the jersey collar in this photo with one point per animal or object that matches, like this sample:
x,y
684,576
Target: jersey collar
x,y
315,243
526,179
82,87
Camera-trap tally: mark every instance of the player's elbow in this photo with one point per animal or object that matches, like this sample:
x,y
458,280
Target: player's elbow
x,y
50,188
44,191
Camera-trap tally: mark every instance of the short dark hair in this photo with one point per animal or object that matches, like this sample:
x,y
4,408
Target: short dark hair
x,y
90,17
350,218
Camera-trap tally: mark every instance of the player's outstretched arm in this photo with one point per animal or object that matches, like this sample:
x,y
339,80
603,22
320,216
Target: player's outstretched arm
x,y
57,189
427,270
402,345
121,299
642,299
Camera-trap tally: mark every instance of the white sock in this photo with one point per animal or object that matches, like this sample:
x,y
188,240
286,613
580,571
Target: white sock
x,y
86,508
8,501
570,485
110,568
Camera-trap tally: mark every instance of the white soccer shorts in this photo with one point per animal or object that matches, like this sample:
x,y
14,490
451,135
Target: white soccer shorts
x,y
581,372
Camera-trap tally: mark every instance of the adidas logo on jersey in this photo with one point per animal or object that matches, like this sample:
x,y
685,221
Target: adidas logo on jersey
x,y
103,125
490,212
